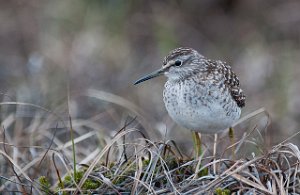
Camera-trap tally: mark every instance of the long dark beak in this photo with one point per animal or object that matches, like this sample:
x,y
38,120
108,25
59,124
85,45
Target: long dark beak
x,y
150,76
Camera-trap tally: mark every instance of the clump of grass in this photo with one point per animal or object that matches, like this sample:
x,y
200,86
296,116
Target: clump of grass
x,y
155,169
129,162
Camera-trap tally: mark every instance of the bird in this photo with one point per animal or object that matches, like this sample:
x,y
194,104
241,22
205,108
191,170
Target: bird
x,y
200,94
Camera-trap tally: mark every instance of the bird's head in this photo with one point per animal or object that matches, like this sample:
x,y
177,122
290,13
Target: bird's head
x,y
178,64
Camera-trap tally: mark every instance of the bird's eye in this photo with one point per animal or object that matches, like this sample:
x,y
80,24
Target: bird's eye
x,y
177,62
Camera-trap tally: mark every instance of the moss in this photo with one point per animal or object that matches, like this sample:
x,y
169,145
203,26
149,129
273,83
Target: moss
x,y
146,162
172,163
45,184
220,191
111,165
91,184
88,184
203,172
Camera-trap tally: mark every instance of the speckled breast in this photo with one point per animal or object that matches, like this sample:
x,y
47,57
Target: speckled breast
x,y
202,106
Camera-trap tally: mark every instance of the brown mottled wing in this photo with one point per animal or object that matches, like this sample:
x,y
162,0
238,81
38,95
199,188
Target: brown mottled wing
x,y
232,81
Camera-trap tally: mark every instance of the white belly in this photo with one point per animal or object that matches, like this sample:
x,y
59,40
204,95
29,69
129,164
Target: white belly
x,y
201,109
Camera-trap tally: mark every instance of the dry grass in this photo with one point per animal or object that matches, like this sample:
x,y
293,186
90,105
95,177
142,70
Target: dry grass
x,y
36,158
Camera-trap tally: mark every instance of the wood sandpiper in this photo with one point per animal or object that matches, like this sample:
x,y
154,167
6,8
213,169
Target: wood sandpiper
x,y
200,94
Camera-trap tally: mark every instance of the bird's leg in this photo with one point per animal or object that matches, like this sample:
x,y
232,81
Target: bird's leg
x,y
197,144
231,137
198,153
215,152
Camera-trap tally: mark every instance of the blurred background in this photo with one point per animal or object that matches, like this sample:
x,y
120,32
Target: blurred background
x,y
49,49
